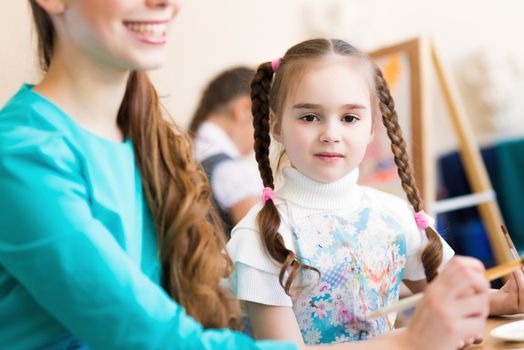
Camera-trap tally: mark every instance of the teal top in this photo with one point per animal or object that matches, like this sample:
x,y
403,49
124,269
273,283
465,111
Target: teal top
x,y
78,251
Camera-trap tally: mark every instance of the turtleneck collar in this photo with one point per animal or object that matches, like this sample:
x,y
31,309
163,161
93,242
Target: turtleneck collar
x,y
343,193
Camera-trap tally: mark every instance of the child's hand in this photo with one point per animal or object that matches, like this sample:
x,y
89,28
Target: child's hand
x,y
454,309
510,298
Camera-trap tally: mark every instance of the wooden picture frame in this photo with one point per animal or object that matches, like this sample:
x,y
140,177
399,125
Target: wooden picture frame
x,y
405,67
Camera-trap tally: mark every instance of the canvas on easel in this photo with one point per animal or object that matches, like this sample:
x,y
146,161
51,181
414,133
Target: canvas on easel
x,y
406,67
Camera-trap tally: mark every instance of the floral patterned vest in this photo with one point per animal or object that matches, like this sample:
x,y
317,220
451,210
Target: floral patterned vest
x,y
361,258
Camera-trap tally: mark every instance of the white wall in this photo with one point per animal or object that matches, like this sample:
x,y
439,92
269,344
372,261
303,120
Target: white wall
x,y
17,61
211,35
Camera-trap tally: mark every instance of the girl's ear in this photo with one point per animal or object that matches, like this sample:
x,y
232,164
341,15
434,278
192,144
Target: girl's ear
x,y
52,7
274,129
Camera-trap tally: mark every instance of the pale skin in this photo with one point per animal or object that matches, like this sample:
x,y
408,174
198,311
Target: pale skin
x,y
94,54
82,94
237,122
330,116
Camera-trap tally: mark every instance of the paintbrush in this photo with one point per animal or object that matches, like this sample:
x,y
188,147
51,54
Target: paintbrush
x,y
512,248
409,302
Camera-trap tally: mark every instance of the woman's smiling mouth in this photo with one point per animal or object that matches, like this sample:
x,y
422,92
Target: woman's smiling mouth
x,y
148,32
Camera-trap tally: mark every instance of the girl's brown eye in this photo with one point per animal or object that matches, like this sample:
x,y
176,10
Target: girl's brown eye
x,y
350,118
309,117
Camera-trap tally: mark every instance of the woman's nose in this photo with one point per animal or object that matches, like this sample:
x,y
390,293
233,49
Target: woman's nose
x,y
175,4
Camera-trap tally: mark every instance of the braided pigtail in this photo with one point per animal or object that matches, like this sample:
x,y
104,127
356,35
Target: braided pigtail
x,y
432,254
268,218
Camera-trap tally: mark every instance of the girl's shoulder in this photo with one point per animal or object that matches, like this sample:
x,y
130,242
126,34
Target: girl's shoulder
x,y
246,246
248,222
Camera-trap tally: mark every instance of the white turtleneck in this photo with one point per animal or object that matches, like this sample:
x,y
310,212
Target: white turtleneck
x,y
298,199
303,191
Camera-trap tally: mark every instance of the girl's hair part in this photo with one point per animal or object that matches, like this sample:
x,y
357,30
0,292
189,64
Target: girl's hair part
x,y
178,196
223,89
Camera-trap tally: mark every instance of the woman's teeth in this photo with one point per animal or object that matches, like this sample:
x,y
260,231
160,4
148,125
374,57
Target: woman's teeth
x,y
148,29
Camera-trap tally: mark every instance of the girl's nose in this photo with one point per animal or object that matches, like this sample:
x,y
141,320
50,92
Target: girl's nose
x,y
330,134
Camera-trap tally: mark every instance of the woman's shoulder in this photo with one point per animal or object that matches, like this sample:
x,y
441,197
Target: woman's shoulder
x,y
32,124
28,118
27,137
26,143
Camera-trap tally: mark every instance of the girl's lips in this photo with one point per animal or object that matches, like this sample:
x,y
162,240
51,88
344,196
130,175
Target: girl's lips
x,y
149,32
329,157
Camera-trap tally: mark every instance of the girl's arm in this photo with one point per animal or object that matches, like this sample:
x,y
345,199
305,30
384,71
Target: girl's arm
x,y
274,322
279,322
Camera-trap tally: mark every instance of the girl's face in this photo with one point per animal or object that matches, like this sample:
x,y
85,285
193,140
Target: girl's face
x,y
326,124
125,34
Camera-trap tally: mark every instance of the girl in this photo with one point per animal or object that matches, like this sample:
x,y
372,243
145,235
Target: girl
x,y
319,254
102,241
223,134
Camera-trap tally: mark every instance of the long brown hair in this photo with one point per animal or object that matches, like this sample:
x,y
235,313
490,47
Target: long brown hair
x,y
220,91
268,92
178,195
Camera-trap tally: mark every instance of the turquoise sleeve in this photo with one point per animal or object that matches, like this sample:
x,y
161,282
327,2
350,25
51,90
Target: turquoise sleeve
x,y
73,267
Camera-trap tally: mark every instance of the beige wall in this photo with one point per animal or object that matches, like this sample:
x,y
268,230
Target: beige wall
x,y
210,35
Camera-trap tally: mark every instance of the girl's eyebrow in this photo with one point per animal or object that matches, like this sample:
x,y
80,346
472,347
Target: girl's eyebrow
x,y
307,106
316,106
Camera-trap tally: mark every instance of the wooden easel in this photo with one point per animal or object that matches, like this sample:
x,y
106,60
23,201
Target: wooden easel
x,y
422,55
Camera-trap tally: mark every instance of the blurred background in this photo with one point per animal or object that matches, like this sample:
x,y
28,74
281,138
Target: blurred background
x,y
479,41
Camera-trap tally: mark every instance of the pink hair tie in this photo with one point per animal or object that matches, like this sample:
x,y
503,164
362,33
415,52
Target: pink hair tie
x,y
267,194
423,220
275,64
